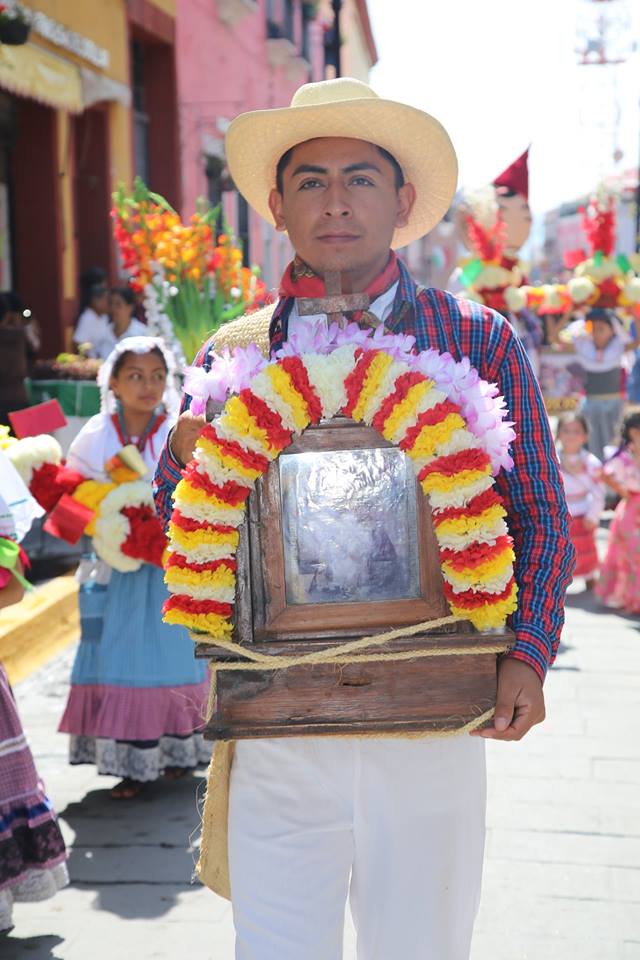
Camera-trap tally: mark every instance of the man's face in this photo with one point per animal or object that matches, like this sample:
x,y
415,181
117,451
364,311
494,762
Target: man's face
x,y
340,205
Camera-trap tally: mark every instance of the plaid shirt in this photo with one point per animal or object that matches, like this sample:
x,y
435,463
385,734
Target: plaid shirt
x,y
532,492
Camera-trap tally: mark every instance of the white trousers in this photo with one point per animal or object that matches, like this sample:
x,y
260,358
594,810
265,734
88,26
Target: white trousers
x,y
396,825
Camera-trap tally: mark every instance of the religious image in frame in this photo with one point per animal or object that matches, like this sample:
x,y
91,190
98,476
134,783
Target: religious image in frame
x,y
350,527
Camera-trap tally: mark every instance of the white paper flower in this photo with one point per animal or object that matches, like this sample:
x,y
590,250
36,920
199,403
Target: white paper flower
x,y
32,452
632,290
580,289
515,299
112,527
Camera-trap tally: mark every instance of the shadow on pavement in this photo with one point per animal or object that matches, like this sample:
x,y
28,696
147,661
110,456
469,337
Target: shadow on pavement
x,y
138,855
35,948
585,600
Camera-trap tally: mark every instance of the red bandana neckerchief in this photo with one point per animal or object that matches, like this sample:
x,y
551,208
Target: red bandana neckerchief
x,y
299,280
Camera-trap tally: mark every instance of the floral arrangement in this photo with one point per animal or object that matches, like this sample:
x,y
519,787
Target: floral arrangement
x,y
191,283
599,280
9,13
127,530
489,276
119,515
449,422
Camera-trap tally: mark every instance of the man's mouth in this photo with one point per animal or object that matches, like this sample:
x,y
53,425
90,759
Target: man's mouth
x,y
338,237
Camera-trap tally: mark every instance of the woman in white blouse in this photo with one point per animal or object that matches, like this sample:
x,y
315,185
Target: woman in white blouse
x,y
93,323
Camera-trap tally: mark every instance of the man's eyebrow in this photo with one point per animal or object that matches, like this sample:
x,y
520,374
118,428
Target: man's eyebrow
x,y
351,168
356,167
308,168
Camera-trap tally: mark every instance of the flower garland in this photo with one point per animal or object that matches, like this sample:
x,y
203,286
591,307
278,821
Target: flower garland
x,y
375,381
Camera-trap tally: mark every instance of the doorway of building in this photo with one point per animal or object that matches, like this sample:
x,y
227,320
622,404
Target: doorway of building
x,y
91,190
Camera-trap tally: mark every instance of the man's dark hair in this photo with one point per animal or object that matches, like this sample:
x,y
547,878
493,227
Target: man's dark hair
x,y
285,159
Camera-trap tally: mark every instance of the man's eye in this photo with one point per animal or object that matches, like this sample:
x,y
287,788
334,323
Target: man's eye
x,y
309,183
362,182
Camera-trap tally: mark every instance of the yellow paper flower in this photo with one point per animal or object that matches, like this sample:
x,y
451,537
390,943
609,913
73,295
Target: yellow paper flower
x,y
283,385
373,378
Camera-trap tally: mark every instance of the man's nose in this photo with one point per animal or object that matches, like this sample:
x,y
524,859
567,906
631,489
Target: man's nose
x,y
337,201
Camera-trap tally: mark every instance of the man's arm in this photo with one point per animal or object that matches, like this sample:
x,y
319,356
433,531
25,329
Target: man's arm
x,y
537,517
178,448
538,522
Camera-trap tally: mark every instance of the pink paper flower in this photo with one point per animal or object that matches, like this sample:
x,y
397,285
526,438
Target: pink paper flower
x,y
481,405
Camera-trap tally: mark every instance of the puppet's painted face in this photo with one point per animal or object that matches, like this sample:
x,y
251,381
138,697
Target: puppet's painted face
x,y
517,217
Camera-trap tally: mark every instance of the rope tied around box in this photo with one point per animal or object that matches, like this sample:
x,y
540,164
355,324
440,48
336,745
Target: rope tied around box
x,y
353,652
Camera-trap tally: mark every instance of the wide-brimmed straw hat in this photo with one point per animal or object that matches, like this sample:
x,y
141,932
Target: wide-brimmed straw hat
x,y
347,108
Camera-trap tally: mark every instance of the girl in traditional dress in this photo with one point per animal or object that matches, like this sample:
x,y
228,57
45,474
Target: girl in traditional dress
x,y
32,851
620,576
584,490
138,695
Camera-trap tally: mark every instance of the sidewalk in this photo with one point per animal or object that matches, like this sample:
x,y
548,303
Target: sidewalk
x,y
562,877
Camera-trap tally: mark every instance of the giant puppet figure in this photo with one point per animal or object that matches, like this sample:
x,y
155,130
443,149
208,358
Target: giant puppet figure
x,y
293,826
494,223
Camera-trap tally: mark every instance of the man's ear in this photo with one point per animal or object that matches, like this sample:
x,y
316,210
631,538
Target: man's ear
x,y
406,201
275,205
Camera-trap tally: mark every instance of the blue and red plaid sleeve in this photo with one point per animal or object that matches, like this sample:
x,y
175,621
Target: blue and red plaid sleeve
x,y
536,514
168,472
533,494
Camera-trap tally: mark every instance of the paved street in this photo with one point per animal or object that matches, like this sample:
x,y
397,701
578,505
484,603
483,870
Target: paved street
x,y
562,877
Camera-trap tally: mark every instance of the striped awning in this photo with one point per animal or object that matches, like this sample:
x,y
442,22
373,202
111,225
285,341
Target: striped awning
x,y
32,72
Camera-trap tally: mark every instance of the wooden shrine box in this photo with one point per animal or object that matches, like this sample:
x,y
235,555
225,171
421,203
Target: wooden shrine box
x,y
338,544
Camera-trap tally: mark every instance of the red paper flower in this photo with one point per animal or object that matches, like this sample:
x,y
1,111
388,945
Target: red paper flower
x,y
146,540
44,485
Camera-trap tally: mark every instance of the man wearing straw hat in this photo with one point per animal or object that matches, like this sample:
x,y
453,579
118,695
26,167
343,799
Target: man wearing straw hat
x,y
395,824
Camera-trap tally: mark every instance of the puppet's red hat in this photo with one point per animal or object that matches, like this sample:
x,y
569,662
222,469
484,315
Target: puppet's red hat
x,y
516,177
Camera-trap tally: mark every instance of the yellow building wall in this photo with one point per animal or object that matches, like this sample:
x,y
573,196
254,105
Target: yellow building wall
x,y
104,22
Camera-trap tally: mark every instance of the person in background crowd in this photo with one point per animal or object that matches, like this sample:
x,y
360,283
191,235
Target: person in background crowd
x,y
620,576
633,383
138,695
584,490
93,323
20,316
122,305
600,349
32,851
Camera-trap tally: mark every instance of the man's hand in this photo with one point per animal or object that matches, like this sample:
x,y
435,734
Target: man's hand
x,y
520,702
184,435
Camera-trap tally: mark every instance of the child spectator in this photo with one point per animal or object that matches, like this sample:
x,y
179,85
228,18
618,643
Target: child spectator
x,y
584,490
618,586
